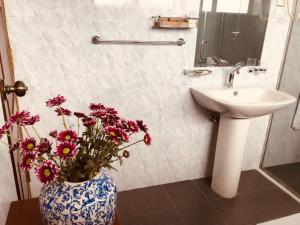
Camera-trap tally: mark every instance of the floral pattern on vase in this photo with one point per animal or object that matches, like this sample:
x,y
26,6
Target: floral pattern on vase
x,y
87,203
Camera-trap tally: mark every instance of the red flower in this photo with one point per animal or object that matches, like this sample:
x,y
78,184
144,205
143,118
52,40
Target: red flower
x,y
143,127
15,147
124,135
53,133
62,111
67,135
96,107
79,114
66,150
28,144
27,161
133,126
114,133
4,129
147,139
30,120
47,172
18,117
56,101
44,146
88,121
98,114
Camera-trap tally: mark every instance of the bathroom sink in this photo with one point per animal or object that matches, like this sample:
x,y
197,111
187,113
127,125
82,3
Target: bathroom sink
x,y
242,103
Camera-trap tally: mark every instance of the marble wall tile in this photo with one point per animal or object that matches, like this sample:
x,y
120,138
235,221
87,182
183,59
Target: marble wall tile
x,y
51,42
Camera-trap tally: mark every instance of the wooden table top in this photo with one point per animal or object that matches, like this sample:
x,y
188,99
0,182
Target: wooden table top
x,y
27,212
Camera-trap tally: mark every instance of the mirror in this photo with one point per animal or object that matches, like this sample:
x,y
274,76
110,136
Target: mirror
x,y
231,32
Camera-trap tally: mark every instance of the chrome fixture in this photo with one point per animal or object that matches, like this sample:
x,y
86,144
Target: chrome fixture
x,y
236,70
98,40
19,88
196,72
174,22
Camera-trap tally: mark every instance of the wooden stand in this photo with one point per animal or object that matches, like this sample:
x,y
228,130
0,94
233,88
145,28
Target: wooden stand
x,y
27,212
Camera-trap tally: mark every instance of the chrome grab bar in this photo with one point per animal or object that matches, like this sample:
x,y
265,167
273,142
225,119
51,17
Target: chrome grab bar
x,y
98,40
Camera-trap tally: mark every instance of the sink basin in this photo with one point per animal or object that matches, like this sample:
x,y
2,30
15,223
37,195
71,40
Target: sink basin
x,y
242,103
237,107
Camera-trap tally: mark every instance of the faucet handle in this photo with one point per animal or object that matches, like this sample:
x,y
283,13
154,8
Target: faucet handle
x,y
240,64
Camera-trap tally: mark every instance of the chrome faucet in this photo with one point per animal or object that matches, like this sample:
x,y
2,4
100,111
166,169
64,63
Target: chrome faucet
x,y
236,70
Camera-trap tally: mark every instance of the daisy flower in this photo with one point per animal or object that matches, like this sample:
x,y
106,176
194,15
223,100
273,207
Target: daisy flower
x,y
133,126
56,101
47,172
18,117
62,111
147,139
44,146
88,121
79,114
67,135
66,150
143,127
53,133
27,161
96,107
30,120
28,144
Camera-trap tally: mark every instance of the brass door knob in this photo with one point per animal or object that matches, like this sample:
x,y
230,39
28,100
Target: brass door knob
x,y
19,89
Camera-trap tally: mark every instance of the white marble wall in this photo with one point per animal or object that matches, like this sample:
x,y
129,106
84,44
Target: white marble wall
x,y
53,54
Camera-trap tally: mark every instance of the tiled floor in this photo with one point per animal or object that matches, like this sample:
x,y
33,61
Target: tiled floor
x,y
194,203
286,175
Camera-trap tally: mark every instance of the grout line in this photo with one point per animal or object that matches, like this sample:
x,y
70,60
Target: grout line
x,y
174,205
279,185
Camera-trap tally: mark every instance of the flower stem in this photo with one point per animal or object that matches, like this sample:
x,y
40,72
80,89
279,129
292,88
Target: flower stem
x,y
78,125
26,131
36,132
130,145
63,119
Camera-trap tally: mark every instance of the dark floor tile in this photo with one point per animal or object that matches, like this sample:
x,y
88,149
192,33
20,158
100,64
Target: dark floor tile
x,y
200,214
252,181
125,205
205,187
130,221
237,211
150,199
166,217
184,193
274,203
286,175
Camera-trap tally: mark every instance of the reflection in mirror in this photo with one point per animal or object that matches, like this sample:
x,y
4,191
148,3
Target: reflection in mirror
x,y
230,33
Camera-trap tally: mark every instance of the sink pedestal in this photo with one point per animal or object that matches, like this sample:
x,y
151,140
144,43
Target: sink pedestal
x,y
232,138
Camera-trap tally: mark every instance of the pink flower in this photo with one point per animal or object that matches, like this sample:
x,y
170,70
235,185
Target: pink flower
x,y
124,136
56,101
89,122
27,160
79,114
133,126
98,114
67,135
116,134
96,107
47,172
66,150
18,117
28,144
143,127
15,147
60,111
147,139
53,133
4,129
44,146
30,120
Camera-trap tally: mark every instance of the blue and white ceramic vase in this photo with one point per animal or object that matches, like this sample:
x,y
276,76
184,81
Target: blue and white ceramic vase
x,y
87,203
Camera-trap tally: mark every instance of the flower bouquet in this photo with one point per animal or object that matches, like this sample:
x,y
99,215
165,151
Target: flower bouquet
x,y
77,153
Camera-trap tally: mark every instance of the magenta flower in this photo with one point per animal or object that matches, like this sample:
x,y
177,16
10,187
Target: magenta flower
x,y
18,117
96,107
67,135
44,146
143,127
30,120
56,101
53,133
15,147
133,127
101,114
114,133
4,129
147,139
27,160
79,114
47,172
62,111
124,136
66,150
89,122
28,144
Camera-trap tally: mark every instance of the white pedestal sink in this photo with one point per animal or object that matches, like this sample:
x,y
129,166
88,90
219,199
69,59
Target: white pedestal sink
x,y
236,107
